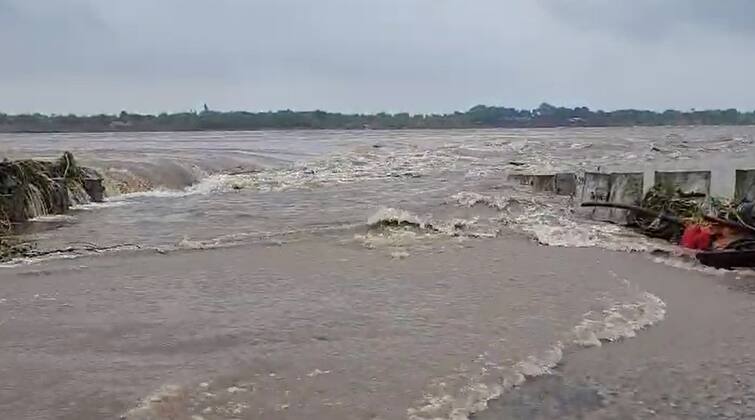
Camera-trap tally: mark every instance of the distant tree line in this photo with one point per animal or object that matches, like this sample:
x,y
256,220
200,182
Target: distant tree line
x,y
480,116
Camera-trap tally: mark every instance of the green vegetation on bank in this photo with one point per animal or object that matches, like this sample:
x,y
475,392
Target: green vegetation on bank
x,y
480,116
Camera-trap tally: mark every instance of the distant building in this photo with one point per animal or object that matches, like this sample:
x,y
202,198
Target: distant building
x,y
577,121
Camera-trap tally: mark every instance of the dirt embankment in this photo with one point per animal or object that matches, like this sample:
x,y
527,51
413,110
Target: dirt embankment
x,y
33,188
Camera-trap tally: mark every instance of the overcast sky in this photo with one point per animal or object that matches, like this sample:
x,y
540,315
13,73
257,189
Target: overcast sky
x,y
92,56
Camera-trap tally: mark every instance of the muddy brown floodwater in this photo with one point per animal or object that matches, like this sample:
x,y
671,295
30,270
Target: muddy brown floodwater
x,y
325,331
369,275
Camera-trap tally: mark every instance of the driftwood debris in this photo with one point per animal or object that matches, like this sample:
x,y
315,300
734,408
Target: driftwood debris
x,y
668,217
89,248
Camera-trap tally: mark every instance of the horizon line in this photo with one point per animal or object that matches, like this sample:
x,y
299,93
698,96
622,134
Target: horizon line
x,y
413,113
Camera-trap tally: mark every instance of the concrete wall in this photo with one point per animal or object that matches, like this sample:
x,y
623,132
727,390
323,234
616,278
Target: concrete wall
x,y
689,182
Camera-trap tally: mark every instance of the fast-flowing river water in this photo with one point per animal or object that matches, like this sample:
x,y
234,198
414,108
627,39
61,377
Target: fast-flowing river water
x,y
369,275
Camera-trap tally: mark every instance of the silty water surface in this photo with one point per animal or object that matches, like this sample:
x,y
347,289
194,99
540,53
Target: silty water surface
x,y
330,274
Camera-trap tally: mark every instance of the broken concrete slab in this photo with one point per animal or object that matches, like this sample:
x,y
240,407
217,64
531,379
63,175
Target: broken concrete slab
x,y
520,178
744,188
596,187
543,183
566,184
688,182
539,183
626,188
623,188
561,183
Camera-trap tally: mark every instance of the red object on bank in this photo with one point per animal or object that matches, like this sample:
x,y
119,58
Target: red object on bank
x,y
696,237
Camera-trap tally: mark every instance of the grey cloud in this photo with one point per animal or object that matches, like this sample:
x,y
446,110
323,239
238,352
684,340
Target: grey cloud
x,y
371,55
653,19
43,37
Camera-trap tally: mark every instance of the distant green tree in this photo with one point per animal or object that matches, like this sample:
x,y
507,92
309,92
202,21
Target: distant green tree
x,y
545,115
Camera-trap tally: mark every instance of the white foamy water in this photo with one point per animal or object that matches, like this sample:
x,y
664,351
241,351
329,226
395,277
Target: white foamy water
x,y
621,320
389,215
52,218
616,322
112,202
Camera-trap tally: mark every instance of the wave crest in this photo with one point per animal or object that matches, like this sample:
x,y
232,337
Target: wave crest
x,y
619,321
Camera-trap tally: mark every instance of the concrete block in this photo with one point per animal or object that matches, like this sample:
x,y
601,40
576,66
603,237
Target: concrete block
x,y
566,184
744,188
689,182
520,178
543,183
595,187
624,188
562,183
539,183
